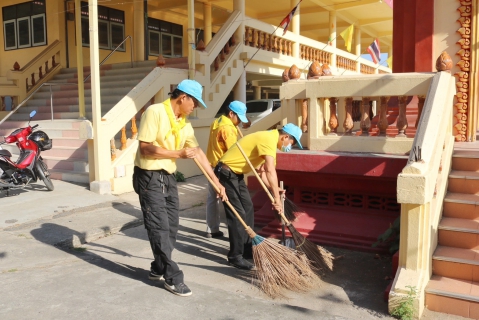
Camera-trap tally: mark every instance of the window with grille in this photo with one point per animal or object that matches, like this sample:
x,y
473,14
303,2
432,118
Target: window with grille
x,y
24,25
165,38
111,27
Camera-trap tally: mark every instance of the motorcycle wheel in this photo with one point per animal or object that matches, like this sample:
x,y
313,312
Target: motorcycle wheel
x,y
41,170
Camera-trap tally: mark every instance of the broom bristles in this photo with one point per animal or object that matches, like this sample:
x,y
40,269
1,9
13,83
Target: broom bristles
x,y
279,268
320,257
290,210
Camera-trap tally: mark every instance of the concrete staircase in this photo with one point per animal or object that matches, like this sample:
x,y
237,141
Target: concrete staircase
x,y
68,159
454,285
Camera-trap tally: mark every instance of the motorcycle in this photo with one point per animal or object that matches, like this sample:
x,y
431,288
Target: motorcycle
x,y
29,166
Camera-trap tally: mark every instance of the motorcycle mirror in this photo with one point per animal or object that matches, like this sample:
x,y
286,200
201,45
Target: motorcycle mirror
x,y
33,113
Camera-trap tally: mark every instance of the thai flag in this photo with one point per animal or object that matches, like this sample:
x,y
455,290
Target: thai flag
x,y
285,23
374,51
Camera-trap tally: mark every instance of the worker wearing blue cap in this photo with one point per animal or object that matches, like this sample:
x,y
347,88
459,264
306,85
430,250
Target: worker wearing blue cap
x,y
223,134
260,148
164,136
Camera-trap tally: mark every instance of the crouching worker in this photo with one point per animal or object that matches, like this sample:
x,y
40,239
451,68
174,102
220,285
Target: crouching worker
x,y
260,147
164,136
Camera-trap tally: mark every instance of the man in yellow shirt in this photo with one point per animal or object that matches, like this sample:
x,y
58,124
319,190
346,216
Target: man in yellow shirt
x,y
164,136
223,134
260,147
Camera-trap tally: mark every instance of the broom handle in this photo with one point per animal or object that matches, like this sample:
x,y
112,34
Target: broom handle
x,y
239,132
260,181
218,191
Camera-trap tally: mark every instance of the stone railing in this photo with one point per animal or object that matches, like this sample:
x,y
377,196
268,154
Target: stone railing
x,y
33,74
313,54
365,69
421,186
266,41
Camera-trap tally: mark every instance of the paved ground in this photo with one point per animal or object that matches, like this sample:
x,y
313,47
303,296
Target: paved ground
x,y
72,253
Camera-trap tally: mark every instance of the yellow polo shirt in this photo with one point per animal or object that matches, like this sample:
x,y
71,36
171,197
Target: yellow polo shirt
x,y
154,126
223,134
255,145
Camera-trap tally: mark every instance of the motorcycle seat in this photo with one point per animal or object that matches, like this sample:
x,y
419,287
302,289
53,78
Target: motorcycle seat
x,y
5,153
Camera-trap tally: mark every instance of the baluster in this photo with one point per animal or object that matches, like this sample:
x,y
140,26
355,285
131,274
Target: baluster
x,y
365,120
255,38
261,39
301,51
233,41
216,64
46,66
420,105
33,79
246,36
383,121
290,48
348,121
222,55
123,138
112,149
2,103
402,121
333,119
40,73
316,55
275,44
227,48
26,82
134,129
280,46
53,61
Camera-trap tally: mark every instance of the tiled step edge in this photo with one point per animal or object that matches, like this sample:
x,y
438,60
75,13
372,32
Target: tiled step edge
x,y
456,260
456,229
448,294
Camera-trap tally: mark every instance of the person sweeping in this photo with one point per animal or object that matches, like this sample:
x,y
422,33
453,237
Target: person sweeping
x,y
164,136
223,134
261,148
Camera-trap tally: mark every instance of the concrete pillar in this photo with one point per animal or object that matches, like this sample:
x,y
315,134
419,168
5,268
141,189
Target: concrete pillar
x,y
191,40
239,90
357,42
257,92
139,31
79,49
332,36
295,28
207,31
101,143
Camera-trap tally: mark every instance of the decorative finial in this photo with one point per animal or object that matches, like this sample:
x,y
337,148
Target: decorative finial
x,y
444,62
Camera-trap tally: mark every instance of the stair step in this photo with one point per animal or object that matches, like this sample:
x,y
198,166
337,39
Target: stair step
x,y
461,181
458,233
458,263
67,165
453,296
462,206
80,177
464,160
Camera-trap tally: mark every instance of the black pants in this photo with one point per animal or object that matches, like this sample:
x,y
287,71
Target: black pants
x,y
160,205
239,197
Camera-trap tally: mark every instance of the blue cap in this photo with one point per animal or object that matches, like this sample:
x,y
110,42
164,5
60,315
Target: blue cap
x,y
239,108
193,88
294,131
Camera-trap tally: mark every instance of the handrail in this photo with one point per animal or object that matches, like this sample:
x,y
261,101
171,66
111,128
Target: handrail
x,y
113,51
53,84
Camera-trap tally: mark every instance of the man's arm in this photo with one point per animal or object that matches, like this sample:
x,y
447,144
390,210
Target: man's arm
x,y
272,178
201,157
147,149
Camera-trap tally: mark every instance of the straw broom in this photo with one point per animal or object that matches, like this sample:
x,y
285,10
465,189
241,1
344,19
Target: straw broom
x,y
291,211
277,267
321,258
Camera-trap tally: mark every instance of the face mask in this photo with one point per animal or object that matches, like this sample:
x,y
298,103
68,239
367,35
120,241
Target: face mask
x,y
286,148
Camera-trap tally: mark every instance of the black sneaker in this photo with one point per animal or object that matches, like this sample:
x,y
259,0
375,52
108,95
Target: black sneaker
x,y
241,263
218,234
180,289
155,276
